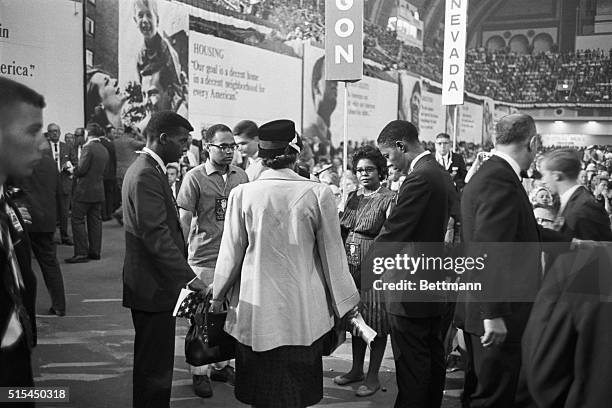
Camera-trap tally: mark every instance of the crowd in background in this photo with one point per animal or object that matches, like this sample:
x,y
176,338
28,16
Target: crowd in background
x,y
572,77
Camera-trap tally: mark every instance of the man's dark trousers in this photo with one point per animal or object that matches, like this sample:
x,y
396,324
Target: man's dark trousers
x,y
87,228
44,250
152,377
63,208
420,374
498,373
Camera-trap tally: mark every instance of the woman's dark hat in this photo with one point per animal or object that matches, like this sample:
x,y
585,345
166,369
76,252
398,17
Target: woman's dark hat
x,y
276,136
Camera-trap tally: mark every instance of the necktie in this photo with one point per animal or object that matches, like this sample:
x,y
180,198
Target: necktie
x,y
56,156
13,280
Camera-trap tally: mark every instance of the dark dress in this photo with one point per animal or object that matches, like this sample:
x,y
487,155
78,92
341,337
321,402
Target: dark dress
x,y
362,220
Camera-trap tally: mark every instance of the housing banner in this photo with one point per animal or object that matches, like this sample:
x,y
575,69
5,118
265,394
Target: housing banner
x,y
230,82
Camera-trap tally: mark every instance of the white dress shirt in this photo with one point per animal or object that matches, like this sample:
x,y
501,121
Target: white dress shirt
x,y
566,196
515,166
416,159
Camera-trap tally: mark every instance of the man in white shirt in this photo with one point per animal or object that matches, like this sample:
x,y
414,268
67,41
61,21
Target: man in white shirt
x,y
20,149
247,138
61,156
172,171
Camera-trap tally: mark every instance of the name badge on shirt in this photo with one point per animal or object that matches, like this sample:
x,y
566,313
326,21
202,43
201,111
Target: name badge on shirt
x,y
220,207
353,254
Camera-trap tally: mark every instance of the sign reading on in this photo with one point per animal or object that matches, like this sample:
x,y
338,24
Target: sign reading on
x,y
455,26
344,40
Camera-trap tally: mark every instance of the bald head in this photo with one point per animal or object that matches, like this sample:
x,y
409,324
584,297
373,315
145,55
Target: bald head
x,y
516,128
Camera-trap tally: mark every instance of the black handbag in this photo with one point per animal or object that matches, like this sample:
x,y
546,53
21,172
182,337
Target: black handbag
x,y
206,341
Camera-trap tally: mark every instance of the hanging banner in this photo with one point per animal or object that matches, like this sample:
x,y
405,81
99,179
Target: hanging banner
x,y
488,126
455,27
344,40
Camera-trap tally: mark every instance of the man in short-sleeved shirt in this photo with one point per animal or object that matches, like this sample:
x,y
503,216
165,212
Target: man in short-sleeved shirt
x,y
203,195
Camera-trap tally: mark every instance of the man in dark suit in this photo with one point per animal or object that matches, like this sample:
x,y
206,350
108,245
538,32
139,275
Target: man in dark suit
x,y
580,215
61,155
566,356
88,197
155,266
172,171
495,209
20,143
40,192
451,161
419,219
110,174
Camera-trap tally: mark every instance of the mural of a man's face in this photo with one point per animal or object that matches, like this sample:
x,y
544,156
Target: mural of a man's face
x,y
325,96
153,94
415,106
146,18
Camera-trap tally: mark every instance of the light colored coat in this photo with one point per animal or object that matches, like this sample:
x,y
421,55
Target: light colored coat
x,y
282,248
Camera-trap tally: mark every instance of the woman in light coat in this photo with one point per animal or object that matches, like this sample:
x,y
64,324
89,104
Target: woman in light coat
x,y
283,268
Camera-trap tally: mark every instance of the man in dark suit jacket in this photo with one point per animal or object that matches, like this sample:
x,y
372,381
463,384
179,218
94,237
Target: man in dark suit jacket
x,y
61,155
20,141
420,220
88,197
110,175
566,356
451,161
155,266
495,209
40,191
581,216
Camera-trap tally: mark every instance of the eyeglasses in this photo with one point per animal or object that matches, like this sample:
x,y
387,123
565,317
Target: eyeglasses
x,y
368,170
228,148
535,143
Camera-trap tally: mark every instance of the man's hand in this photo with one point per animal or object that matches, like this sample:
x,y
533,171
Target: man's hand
x,y
198,285
494,332
25,214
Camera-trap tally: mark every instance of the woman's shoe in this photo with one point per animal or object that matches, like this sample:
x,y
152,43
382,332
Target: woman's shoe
x,y
343,380
365,391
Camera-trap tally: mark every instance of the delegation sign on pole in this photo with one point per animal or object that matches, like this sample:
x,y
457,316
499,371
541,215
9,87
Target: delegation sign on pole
x,y
343,40
455,33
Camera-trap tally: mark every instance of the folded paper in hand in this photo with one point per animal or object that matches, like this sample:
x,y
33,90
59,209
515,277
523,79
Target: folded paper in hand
x,y
361,329
187,303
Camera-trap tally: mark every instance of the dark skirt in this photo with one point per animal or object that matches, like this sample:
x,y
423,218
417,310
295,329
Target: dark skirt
x,y
285,377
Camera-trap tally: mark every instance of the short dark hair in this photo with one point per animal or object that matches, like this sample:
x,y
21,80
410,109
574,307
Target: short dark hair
x,y
212,131
94,129
164,122
398,131
443,136
246,128
373,154
13,92
567,161
514,128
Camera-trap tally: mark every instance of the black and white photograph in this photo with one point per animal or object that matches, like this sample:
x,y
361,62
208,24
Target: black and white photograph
x,y
300,203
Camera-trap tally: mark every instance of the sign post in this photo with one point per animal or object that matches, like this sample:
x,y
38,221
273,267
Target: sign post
x,y
344,50
453,78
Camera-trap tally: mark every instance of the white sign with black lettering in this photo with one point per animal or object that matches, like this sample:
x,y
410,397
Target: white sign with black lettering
x,y
455,27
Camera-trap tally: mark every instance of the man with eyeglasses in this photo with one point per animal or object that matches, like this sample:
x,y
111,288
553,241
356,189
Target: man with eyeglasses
x,y
451,161
203,195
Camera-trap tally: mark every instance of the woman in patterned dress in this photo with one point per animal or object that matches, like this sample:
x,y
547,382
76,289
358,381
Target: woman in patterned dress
x,y
364,215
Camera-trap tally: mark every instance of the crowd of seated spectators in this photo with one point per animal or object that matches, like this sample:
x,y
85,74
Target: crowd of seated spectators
x,y
501,75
